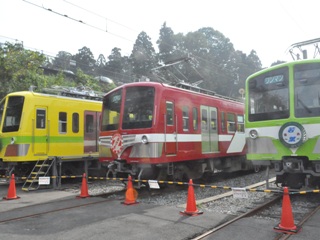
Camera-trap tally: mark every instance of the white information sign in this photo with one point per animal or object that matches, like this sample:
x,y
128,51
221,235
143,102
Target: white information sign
x,y
153,184
239,193
44,180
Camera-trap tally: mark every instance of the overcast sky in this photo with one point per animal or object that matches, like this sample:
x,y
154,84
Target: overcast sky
x,y
269,27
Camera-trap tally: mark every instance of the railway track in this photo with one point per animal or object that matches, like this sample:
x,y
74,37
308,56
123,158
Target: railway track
x,y
64,205
247,214
274,202
284,236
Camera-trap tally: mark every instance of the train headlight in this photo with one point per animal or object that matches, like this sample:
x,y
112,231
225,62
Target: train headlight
x,y
253,134
144,139
13,140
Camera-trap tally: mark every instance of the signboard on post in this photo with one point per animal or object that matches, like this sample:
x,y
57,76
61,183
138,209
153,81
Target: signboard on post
x,y
44,180
153,184
239,193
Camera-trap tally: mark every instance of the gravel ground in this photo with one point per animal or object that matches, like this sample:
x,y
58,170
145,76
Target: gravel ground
x,y
228,205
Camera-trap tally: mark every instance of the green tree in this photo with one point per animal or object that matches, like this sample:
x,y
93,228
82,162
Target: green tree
x,y
62,61
84,60
143,57
114,67
100,65
126,76
166,44
19,68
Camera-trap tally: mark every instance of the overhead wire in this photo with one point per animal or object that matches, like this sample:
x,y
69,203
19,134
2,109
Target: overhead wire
x,y
98,15
78,20
105,30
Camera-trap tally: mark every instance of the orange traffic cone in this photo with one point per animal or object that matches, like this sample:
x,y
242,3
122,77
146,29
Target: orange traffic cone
x,y
84,187
131,194
12,190
287,223
191,209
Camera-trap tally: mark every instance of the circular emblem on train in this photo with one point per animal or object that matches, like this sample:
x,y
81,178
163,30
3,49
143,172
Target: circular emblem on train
x,y
292,134
116,143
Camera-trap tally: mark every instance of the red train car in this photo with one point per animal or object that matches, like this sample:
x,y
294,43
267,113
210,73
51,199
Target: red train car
x,y
154,130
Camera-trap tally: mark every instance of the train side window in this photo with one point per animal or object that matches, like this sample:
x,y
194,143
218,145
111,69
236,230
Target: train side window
x,y
223,122
195,118
75,122
89,124
240,119
170,113
185,118
62,122
231,122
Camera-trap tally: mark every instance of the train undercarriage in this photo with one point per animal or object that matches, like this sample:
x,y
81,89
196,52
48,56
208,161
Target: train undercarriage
x,y
178,171
295,173
74,167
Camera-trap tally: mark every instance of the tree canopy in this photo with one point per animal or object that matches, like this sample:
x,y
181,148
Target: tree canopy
x,y
204,57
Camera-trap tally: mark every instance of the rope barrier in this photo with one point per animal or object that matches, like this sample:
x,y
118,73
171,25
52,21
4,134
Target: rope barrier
x,y
179,183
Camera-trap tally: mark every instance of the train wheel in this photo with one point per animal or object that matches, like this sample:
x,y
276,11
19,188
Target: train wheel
x,y
257,168
207,176
294,181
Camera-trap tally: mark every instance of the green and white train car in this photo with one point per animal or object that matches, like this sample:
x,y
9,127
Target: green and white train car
x,y
282,121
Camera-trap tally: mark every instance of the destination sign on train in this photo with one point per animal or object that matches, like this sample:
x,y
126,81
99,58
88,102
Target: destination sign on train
x,y
273,79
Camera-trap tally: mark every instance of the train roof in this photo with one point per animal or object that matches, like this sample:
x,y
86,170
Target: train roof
x,y
291,63
31,93
181,87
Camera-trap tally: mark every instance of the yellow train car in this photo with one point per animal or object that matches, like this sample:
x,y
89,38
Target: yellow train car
x,y
36,127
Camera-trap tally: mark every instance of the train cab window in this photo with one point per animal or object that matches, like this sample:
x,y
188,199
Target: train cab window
x,y
307,90
170,113
2,108
231,122
138,107
185,118
75,122
195,118
223,122
13,113
62,122
89,124
240,126
111,111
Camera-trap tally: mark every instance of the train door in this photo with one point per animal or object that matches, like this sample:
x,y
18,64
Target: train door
x,y
91,131
209,129
40,135
170,129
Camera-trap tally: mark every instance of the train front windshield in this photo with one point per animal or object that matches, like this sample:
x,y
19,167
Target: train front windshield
x,y
137,112
269,93
269,96
11,113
